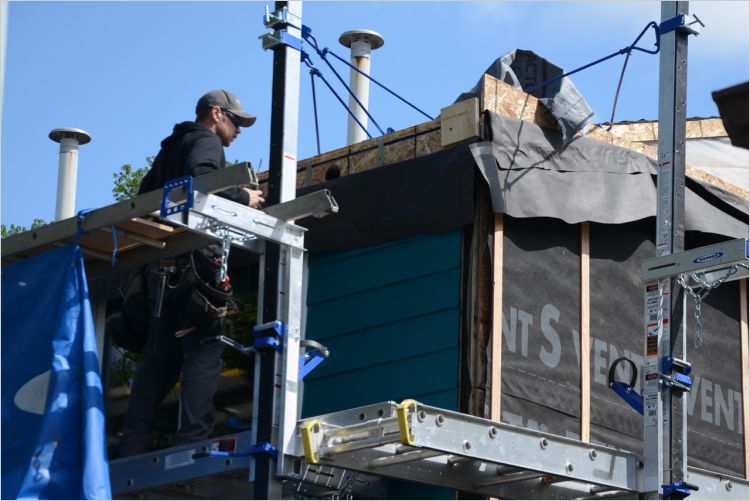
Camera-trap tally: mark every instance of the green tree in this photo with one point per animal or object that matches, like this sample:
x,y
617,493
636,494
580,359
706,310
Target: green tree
x,y
14,229
128,180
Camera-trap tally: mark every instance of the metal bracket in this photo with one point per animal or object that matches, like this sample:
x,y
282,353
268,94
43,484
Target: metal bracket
x,y
166,208
707,258
280,38
276,18
678,23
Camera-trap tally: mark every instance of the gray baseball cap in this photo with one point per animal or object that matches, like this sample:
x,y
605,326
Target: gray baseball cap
x,y
225,100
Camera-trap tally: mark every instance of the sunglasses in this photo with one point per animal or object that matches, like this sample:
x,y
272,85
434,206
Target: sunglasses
x,y
232,117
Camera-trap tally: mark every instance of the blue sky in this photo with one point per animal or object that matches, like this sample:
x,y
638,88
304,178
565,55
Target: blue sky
x,y
126,72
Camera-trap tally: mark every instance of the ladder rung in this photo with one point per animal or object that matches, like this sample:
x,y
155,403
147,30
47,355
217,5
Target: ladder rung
x,y
405,457
510,477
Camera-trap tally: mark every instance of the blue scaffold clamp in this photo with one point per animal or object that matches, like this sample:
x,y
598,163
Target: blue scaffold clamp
x,y
676,374
269,336
626,391
167,209
264,449
678,490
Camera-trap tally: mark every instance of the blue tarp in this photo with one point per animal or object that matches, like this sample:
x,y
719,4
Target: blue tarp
x,y
53,438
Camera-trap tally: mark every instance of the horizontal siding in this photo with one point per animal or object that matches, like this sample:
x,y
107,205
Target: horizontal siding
x,y
428,378
387,343
345,273
389,315
383,305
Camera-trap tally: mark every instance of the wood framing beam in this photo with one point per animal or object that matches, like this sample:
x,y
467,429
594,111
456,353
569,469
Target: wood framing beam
x,y
585,333
496,382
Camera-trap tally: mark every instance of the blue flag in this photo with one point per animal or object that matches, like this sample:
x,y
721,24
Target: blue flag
x,y
53,437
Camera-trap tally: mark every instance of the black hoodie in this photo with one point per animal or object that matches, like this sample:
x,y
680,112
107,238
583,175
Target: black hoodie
x,y
191,150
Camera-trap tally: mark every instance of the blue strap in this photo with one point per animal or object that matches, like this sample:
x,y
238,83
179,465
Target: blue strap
x,y
322,55
307,35
315,111
314,71
626,50
81,216
114,246
376,82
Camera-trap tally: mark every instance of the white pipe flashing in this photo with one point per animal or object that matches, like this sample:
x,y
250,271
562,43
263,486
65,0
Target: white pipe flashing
x,y
361,43
67,171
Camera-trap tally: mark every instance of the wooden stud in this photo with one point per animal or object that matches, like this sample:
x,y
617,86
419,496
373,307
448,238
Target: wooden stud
x,y
745,375
585,334
496,386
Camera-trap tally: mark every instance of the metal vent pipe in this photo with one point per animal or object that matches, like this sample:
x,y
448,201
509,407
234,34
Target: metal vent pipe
x,y
361,43
67,172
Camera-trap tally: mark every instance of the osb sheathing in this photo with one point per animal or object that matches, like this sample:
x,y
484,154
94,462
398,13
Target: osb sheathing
x,y
405,144
503,99
509,101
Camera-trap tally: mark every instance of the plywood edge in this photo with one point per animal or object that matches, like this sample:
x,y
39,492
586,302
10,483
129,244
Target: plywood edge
x,y
507,100
648,130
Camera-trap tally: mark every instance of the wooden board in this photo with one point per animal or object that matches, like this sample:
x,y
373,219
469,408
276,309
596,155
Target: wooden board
x,y
459,122
496,383
585,333
147,228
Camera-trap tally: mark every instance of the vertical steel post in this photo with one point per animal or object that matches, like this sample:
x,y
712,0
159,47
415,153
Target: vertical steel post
x,y
665,416
270,367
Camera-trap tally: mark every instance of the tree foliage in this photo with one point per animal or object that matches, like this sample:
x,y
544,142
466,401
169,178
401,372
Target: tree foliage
x,y
128,180
14,229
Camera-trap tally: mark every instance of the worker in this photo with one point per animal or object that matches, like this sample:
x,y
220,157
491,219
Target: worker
x,y
187,302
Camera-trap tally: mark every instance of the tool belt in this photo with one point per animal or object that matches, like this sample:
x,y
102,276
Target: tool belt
x,y
188,284
208,301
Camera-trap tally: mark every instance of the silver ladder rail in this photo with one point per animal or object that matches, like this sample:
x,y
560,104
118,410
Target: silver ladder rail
x,y
419,443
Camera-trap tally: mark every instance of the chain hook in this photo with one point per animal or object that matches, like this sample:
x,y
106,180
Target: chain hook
x,y
704,290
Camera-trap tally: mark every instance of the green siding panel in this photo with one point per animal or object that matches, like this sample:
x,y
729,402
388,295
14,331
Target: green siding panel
x,y
420,378
387,343
383,305
390,316
362,269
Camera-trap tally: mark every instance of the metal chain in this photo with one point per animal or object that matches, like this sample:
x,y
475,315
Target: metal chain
x,y
227,239
703,291
660,314
346,487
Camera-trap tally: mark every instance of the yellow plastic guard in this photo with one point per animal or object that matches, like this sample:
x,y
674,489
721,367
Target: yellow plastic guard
x,y
407,437
308,428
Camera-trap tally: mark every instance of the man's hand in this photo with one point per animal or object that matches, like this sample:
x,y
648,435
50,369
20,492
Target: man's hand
x,y
256,198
